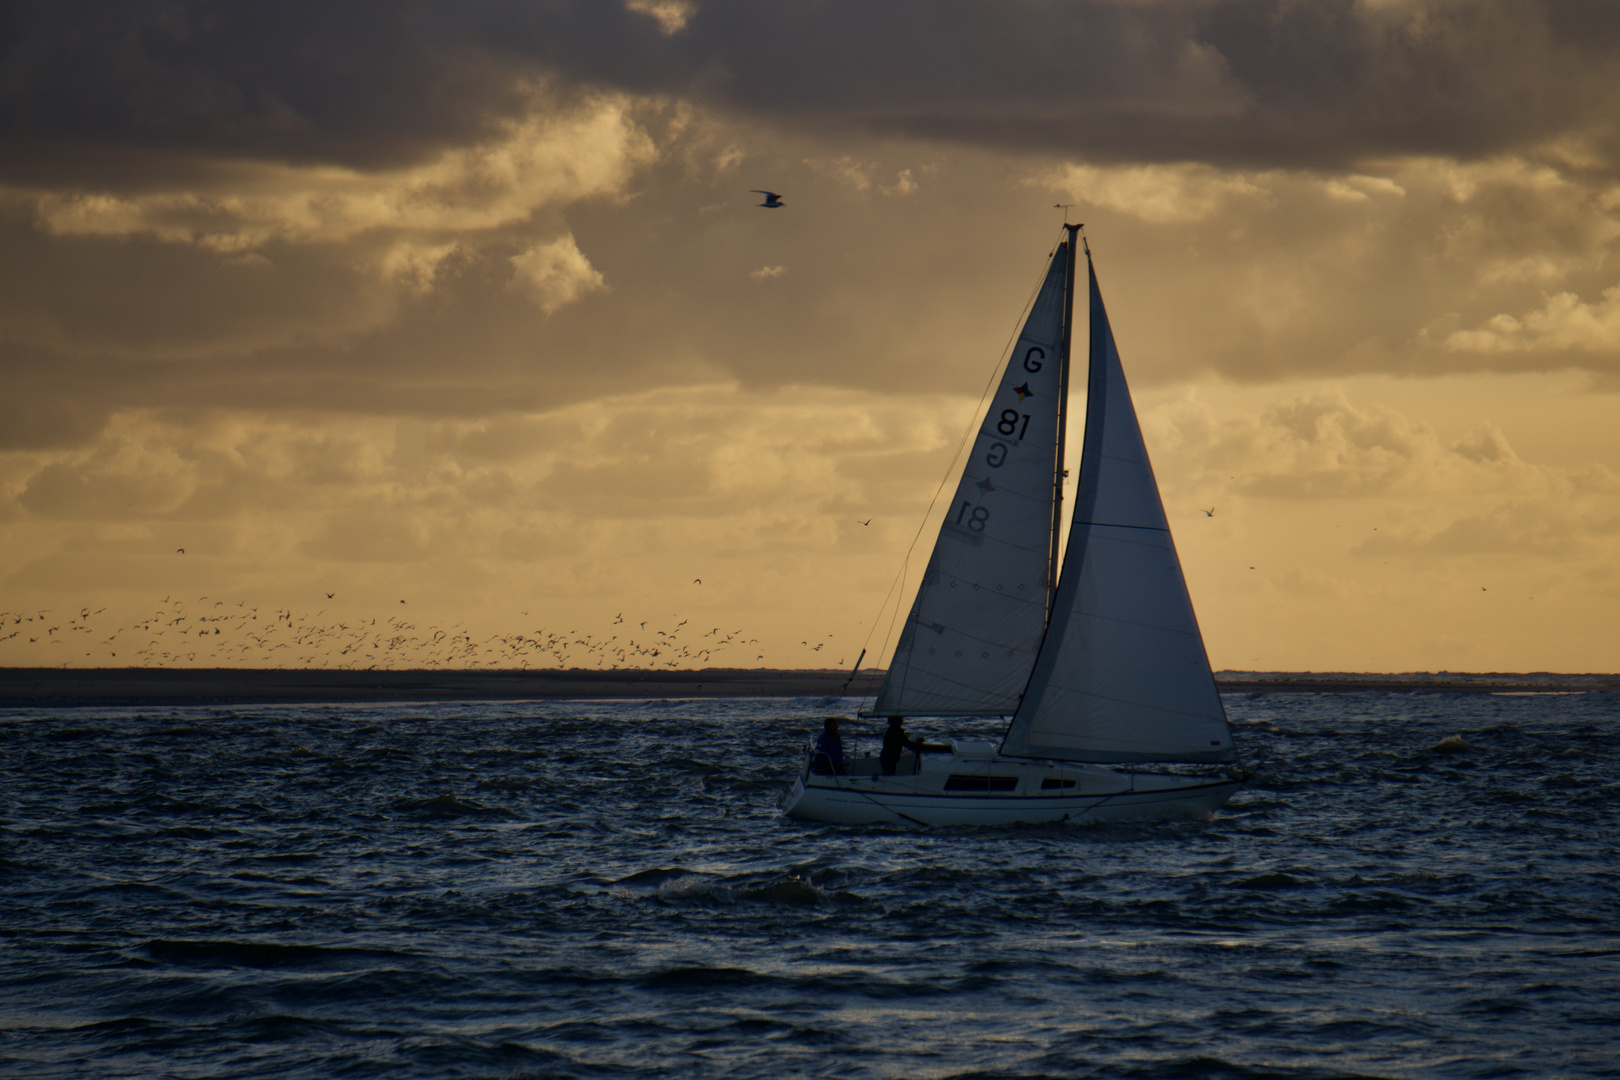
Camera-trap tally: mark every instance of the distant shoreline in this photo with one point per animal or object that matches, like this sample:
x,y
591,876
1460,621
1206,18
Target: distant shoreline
x,y
57,687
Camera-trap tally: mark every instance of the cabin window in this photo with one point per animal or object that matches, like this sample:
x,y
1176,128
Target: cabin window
x,y
1051,782
963,782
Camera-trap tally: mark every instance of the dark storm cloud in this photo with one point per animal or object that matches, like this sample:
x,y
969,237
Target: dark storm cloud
x,y
366,83
1243,82
1232,81
1332,82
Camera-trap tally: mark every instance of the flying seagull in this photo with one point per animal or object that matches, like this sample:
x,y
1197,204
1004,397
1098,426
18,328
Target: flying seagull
x,y
772,201
1208,513
179,551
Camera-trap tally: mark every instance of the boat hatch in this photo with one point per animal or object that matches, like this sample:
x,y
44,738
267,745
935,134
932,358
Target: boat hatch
x,y
1051,782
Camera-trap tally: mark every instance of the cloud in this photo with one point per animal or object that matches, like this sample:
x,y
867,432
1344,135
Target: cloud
x,y
845,168
632,455
556,273
1159,194
1524,528
147,91
1253,276
1323,446
416,265
573,507
361,228
1360,189
543,159
1248,83
857,175
903,185
1297,271
672,15
304,287
1563,324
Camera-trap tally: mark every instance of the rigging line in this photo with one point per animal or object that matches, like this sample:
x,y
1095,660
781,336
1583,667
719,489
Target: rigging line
x,y
839,786
1111,525
1006,354
899,589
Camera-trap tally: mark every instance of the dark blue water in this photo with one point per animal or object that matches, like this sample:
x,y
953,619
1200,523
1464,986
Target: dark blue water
x,y
1414,885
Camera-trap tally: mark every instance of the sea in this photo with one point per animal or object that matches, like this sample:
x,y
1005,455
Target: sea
x,y
1411,885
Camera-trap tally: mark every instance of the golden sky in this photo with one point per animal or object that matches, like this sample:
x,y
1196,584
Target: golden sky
x,y
464,314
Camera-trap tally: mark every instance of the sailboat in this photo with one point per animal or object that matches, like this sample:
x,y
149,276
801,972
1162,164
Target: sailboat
x,y
1092,653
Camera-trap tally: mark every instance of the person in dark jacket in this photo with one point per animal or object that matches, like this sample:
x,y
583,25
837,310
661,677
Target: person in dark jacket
x,y
897,742
829,756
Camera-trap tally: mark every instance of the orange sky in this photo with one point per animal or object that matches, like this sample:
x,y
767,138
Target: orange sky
x,y
483,318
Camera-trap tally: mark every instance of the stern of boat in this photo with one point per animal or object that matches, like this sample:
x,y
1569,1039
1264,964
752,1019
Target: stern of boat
x,y
794,795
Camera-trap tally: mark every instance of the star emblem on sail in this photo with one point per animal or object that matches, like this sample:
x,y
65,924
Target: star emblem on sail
x,y
985,486
1023,392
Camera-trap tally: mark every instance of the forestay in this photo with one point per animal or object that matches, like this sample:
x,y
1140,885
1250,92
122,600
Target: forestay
x,y
1122,675
969,644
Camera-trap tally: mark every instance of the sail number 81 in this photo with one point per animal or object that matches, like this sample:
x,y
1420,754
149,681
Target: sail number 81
x,y
1009,422
972,516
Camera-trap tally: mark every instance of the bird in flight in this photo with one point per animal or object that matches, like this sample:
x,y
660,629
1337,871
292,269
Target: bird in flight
x,y
697,581
179,551
773,201
1209,513
328,596
868,521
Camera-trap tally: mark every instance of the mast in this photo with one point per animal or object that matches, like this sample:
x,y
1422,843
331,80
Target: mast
x,y
1063,416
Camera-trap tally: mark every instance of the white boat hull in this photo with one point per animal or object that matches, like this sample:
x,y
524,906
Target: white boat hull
x,y
931,793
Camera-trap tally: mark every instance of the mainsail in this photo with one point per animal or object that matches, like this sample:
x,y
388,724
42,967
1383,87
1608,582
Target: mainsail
x,y
1122,675
970,641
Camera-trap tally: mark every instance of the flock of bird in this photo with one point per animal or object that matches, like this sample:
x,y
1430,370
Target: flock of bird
x,y
216,633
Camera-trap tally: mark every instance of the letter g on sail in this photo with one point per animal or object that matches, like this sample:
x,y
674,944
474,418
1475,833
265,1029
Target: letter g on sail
x,y
1030,361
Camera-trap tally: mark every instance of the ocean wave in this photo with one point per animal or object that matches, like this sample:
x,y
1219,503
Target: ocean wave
x,y
261,954
451,806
